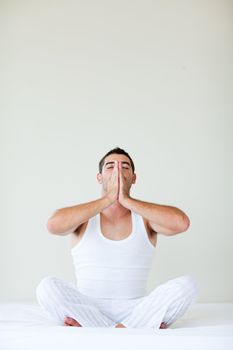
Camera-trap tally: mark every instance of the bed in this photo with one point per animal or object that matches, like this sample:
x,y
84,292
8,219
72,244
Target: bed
x,y
204,326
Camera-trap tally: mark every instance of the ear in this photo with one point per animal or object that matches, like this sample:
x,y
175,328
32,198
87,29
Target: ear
x,y
99,178
134,178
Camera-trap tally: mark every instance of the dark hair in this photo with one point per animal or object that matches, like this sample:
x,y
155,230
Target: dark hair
x,y
116,150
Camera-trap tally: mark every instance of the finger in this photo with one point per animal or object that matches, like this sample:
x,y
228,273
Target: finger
x,y
115,171
120,176
119,169
114,168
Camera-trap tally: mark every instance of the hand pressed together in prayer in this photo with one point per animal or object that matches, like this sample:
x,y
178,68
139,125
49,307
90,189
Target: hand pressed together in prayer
x,y
119,183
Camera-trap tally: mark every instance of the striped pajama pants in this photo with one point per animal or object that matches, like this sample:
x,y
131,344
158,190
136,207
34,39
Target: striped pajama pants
x,y
166,303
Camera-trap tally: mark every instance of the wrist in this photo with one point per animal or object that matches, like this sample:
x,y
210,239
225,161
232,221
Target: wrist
x,y
126,201
107,201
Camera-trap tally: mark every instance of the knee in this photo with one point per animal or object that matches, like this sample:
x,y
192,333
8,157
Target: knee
x,y
189,285
45,286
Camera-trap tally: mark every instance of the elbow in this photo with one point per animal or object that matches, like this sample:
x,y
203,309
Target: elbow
x,y
185,223
55,224
51,226
182,225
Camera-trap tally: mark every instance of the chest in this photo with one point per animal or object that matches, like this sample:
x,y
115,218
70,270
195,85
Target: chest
x,y
120,229
114,231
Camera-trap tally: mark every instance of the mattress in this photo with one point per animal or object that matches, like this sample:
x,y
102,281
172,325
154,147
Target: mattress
x,y
204,326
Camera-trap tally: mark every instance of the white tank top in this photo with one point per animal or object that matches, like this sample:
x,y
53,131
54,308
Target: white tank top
x,y
114,269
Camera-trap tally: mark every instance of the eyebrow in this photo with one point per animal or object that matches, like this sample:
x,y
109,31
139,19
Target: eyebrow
x,y
113,163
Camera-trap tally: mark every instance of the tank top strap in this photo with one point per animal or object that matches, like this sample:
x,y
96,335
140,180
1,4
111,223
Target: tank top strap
x,y
92,225
139,223
91,230
141,230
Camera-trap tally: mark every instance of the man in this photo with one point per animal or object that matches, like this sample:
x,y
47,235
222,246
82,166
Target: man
x,y
113,242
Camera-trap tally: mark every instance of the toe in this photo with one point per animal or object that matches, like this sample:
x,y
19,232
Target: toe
x,y
71,322
163,325
68,321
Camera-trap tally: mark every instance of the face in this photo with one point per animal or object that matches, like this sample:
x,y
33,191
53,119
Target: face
x,y
108,166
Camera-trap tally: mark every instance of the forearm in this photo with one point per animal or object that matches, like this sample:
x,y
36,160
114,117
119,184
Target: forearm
x,y
165,216
66,220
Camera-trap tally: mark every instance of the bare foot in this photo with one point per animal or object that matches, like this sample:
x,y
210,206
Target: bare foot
x,y
163,325
69,321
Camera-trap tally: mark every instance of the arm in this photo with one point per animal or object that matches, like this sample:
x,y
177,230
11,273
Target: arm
x,y
66,220
161,218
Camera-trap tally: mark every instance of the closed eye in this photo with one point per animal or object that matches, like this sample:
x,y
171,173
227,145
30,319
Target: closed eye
x,y
125,167
110,165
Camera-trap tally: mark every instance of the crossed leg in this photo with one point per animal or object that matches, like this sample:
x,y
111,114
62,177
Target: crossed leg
x,y
63,303
164,305
159,309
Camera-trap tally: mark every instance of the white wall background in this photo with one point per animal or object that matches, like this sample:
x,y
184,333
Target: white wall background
x,y
81,77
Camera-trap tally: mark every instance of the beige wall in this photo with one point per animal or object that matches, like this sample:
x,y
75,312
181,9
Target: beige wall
x,y
81,77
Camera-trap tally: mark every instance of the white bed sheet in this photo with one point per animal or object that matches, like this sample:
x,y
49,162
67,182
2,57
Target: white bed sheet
x,y
25,326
